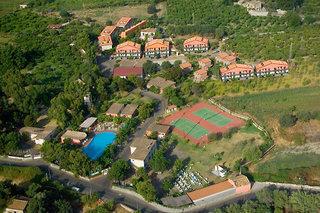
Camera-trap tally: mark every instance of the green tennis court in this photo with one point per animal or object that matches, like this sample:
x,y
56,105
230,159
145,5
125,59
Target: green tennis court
x,y
190,128
213,117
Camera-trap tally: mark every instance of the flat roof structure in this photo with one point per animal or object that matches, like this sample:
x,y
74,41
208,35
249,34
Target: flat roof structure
x,y
18,205
129,110
143,147
160,128
115,108
88,122
74,135
160,82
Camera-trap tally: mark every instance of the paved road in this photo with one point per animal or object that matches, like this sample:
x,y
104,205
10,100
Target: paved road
x,y
141,129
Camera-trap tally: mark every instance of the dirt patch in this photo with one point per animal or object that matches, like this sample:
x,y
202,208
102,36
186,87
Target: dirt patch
x,y
101,15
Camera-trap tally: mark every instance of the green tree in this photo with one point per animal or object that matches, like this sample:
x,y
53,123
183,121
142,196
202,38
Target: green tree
x,y
62,206
147,190
119,170
159,161
287,120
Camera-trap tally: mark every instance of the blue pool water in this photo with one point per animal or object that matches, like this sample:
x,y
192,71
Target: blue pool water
x,y
98,144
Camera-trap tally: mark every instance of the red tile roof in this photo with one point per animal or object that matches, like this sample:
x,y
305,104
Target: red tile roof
x,y
157,43
123,21
186,65
236,69
127,71
223,56
128,46
105,40
197,40
272,65
203,71
204,60
210,190
108,30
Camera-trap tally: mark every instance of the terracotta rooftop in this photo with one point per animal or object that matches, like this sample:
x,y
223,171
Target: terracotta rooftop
x,y
223,56
157,43
210,190
236,68
115,108
129,109
143,147
128,46
203,71
108,30
74,135
105,39
196,41
272,64
123,21
133,28
186,65
127,71
18,204
204,60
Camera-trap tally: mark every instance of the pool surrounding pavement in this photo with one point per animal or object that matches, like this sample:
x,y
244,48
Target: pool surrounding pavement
x,y
99,144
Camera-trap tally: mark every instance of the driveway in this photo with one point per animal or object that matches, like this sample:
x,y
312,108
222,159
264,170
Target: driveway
x,y
142,128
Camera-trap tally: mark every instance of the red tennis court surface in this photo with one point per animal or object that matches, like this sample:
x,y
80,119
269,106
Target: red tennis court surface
x,y
195,123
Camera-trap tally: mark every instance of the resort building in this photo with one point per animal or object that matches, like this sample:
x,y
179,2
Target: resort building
x,y
204,63
124,22
109,30
40,135
75,137
186,67
160,83
225,58
157,48
161,130
141,151
16,206
148,34
272,67
128,49
105,42
200,75
114,110
125,72
88,124
231,187
132,29
129,111
196,44
236,71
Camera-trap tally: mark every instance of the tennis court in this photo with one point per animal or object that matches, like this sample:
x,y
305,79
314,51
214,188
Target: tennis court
x,y
213,117
190,128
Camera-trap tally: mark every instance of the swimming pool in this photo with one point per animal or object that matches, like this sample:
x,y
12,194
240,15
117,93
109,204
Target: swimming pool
x,y
98,144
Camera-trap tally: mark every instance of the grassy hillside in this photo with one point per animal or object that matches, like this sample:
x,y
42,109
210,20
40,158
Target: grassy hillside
x,y
7,6
268,105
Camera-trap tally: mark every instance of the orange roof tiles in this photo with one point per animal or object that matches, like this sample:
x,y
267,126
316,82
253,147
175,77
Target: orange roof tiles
x,y
204,60
123,21
236,68
186,65
125,33
210,190
197,40
227,57
128,46
108,30
272,65
149,30
203,71
157,44
105,40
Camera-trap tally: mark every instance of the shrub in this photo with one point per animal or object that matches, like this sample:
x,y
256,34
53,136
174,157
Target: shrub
x,y
215,136
287,120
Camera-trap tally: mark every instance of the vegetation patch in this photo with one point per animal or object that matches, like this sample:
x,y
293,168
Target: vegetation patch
x,y
19,174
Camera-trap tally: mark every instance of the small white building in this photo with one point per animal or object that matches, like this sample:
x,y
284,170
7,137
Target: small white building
x,y
141,151
40,135
148,34
219,171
